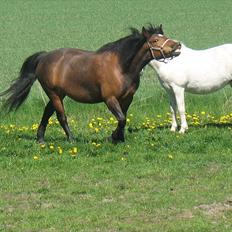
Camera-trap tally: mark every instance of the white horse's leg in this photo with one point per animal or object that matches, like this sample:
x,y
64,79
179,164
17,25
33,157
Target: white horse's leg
x,y
179,93
173,109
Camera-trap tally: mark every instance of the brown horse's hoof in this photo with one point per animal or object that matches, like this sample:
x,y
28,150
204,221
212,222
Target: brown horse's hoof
x,y
115,140
71,140
40,141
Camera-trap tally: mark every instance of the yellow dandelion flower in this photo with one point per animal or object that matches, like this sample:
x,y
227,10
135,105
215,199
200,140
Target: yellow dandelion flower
x,y
72,121
170,157
42,145
75,149
52,148
36,157
50,121
96,130
34,126
90,125
60,150
73,152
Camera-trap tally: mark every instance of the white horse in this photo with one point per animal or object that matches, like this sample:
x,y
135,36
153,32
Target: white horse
x,y
194,71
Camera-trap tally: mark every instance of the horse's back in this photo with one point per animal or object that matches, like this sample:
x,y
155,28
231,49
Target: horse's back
x,y
60,69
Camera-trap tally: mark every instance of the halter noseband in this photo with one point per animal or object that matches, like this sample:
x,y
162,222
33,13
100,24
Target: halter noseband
x,y
160,49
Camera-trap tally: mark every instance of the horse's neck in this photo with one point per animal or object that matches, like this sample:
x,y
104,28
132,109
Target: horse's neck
x,y
138,63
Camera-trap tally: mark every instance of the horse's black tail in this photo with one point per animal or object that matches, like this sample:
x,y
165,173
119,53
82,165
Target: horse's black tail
x,y
20,88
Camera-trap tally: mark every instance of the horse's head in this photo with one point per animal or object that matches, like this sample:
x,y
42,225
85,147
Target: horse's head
x,y
160,46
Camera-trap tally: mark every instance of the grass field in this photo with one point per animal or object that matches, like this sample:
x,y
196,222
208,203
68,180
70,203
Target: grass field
x,y
156,180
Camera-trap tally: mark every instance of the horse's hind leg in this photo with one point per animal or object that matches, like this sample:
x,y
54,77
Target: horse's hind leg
x,y
59,108
48,111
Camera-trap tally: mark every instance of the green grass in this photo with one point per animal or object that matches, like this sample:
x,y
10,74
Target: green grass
x,y
156,180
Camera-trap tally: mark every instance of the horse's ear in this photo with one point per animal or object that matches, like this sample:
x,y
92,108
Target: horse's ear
x,y
145,33
161,29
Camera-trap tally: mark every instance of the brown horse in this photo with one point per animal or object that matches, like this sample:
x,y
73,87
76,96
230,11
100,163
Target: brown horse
x,y
110,75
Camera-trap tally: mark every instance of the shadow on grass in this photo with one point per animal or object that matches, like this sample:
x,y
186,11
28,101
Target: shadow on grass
x,y
216,125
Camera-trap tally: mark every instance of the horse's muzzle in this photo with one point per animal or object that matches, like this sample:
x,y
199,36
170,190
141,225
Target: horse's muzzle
x,y
176,50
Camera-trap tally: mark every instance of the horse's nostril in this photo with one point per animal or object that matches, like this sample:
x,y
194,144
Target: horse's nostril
x,y
177,46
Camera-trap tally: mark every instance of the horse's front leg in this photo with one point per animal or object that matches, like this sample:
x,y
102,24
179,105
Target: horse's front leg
x,y
179,94
114,106
173,109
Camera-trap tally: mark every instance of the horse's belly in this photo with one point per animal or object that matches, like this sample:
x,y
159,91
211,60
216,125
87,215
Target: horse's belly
x,y
84,94
204,88
85,99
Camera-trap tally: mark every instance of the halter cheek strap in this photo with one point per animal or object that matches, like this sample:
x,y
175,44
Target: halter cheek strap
x,y
160,49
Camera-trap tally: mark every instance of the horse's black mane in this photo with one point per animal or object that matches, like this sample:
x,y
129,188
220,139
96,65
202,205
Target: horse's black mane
x,y
128,46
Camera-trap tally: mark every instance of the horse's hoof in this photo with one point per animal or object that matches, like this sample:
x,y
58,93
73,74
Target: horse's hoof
x,y
40,141
182,130
173,129
115,140
71,140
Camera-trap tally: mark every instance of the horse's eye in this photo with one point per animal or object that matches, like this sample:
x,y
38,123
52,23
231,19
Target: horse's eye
x,y
156,40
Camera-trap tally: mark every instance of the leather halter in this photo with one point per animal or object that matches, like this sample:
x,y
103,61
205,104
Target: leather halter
x,y
160,49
